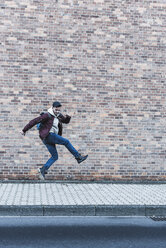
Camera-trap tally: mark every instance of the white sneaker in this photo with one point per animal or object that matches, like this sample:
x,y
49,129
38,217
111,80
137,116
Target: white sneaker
x,y
41,174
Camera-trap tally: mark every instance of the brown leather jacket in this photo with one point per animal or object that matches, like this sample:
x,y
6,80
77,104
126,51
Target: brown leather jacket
x,y
48,122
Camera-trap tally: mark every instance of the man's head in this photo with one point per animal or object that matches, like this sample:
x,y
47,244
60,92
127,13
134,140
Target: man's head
x,y
56,106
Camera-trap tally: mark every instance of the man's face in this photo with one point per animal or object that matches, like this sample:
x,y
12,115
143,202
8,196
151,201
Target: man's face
x,y
56,110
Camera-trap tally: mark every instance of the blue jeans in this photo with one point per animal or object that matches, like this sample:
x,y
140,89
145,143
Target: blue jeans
x,y
50,142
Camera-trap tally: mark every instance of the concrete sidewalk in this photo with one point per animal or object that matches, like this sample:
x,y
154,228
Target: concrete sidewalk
x,y
82,199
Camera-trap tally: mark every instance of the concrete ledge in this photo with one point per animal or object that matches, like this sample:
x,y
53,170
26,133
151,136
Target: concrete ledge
x,y
69,210
83,181
155,210
120,210
82,210
21,210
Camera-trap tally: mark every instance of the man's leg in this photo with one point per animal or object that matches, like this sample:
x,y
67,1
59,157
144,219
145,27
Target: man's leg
x,y
57,139
53,151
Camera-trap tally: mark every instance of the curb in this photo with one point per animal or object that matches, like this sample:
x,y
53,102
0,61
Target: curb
x,y
82,182
83,210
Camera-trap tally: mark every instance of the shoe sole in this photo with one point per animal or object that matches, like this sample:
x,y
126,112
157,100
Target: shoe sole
x,y
83,159
40,175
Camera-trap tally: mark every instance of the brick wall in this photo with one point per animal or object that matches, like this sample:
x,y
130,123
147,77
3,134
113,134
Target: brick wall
x,y
105,60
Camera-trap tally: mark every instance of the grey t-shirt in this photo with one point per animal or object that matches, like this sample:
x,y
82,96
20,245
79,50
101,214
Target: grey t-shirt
x,y
55,128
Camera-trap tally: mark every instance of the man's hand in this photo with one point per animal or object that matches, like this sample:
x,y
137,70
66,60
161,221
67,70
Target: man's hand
x,y
22,133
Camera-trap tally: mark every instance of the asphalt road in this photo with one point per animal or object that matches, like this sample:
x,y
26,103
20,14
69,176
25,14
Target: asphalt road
x,y
81,232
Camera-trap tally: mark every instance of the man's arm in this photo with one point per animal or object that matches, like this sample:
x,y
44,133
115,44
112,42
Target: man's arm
x,y
35,121
64,119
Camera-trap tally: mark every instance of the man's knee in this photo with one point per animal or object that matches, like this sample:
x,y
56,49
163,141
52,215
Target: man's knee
x,y
66,142
55,157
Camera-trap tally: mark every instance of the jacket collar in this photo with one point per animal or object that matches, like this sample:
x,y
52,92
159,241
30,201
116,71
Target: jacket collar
x,y
51,111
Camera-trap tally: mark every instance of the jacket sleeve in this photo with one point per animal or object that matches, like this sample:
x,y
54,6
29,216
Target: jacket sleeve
x,y
64,119
35,121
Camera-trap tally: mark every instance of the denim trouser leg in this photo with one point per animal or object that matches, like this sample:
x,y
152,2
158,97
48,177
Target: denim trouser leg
x,y
53,151
57,139
51,140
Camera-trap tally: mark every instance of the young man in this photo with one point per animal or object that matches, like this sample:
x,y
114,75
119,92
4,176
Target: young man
x,y
50,132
